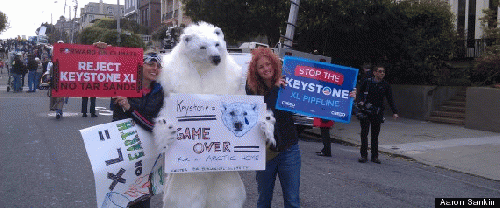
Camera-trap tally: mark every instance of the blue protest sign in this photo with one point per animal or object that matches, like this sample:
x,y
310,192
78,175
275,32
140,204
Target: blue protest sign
x,y
317,89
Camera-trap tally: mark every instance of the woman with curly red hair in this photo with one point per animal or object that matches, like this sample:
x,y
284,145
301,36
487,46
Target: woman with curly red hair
x,y
264,78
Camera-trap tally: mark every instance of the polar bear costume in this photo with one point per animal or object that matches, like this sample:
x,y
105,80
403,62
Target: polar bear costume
x,y
200,64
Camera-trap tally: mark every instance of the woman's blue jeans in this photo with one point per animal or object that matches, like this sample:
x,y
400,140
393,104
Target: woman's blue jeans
x,y
287,167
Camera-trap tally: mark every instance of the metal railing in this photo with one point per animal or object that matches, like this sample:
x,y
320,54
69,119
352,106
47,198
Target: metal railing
x,y
470,48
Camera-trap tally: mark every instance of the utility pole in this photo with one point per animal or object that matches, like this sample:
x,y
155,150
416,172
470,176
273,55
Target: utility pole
x,y
118,16
290,25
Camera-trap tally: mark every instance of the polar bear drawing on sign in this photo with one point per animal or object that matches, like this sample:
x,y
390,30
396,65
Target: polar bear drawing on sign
x,y
240,118
200,64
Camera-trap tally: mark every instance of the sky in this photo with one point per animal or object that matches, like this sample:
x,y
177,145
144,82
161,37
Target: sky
x,y
25,16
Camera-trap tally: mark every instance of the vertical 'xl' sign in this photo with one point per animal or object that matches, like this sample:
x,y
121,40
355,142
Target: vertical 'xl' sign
x,y
88,71
317,89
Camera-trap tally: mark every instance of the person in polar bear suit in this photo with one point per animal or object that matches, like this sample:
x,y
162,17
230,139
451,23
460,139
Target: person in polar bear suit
x,y
200,64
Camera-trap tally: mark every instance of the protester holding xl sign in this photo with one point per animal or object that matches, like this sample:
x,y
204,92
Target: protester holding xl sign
x,y
371,111
264,78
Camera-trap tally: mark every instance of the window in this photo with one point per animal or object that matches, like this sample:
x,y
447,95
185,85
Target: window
x,y
110,10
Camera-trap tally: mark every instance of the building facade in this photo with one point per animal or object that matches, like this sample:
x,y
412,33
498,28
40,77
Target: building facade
x,y
132,10
468,15
172,14
150,14
95,11
69,27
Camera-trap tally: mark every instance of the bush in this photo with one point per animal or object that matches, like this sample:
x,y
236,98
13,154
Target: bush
x,y
487,68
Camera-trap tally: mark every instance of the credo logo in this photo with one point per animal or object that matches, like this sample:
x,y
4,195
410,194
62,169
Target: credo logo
x,y
339,114
291,105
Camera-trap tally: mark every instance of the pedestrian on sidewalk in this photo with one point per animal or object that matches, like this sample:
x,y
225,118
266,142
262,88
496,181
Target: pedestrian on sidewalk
x,y
32,67
284,160
325,126
17,71
56,103
39,71
85,101
371,96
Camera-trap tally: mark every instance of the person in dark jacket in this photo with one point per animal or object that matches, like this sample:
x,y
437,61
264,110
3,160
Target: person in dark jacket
x,y
17,72
32,67
284,160
143,109
372,92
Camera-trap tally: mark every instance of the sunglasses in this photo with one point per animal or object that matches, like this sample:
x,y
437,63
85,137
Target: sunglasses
x,y
151,58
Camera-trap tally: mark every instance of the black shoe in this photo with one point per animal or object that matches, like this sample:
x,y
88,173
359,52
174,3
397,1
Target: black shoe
x,y
84,115
362,159
93,115
323,154
58,115
376,160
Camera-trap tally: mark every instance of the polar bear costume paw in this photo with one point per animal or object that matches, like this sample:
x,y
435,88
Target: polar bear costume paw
x,y
267,127
164,134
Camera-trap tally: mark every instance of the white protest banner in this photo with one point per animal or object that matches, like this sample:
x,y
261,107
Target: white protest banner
x,y
125,165
215,133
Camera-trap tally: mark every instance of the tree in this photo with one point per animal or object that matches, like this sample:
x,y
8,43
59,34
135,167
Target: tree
x,y
351,32
4,23
412,37
125,24
486,68
240,20
430,40
104,30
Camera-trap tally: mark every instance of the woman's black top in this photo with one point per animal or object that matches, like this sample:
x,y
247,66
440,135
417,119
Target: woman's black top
x,y
285,132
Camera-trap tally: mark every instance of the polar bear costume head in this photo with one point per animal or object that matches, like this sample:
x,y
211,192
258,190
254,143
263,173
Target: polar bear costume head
x,y
200,64
203,44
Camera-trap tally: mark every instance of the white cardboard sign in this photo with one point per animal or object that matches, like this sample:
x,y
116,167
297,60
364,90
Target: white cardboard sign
x,y
124,163
215,133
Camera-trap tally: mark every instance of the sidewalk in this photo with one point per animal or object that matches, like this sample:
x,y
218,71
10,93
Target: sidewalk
x,y
442,145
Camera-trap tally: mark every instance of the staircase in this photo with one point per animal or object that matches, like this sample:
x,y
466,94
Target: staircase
x,y
451,111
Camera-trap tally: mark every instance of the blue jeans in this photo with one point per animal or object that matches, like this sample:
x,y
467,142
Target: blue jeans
x,y
37,79
287,167
17,82
31,80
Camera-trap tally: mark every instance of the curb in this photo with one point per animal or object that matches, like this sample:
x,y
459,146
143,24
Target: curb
x,y
310,135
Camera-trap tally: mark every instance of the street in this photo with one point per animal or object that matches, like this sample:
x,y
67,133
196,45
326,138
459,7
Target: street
x,y
44,164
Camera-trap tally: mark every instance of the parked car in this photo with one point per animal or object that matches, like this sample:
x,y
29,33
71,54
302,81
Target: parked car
x,y
302,122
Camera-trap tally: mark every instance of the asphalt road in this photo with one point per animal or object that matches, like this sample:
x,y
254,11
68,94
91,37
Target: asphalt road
x,y
44,164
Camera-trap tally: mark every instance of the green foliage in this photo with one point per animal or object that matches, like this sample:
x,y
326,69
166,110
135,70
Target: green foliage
x,y
90,35
412,37
486,69
160,33
240,20
125,24
430,40
4,23
105,31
